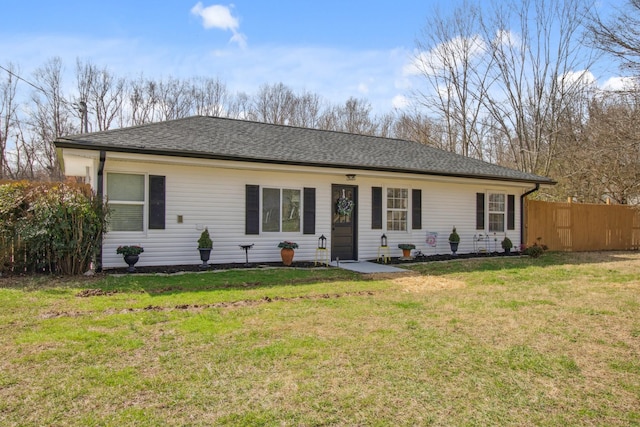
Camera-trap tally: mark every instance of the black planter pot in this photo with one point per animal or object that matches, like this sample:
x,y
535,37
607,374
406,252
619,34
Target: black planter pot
x,y
204,257
507,251
454,247
131,261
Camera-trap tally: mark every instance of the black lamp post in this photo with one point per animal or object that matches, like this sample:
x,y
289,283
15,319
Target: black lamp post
x,y
383,241
322,242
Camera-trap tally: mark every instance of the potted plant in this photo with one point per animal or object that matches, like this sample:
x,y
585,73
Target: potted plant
x,y
406,249
454,240
131,255
507,245
287,251
205,244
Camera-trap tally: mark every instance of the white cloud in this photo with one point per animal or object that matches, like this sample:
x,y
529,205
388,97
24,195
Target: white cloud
x,y
220,17
507,38
444,55
216,16
399,102
582,77
332,73
619,83
239,38
363,88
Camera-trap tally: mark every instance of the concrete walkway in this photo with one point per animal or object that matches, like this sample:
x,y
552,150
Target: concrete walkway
x,y
368,267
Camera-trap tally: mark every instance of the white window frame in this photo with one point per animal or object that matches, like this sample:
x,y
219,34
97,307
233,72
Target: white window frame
x,y
280,206
143,203
390,210
491,212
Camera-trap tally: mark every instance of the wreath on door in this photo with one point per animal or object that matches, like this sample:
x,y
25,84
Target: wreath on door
x,y
344,206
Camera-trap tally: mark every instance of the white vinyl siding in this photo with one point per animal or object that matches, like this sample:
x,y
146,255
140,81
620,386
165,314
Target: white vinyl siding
x,y
212,193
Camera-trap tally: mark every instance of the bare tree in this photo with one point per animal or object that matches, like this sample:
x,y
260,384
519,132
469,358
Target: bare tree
x,y
143,101
51,117
353,117
99,93
452,58
274,104
620,35
535,74
210,97
8,119
175,100
416,126
307,110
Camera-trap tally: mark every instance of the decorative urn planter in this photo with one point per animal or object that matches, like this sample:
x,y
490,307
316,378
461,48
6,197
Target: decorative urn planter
x,y
131,255
287,251
454,247
454,241
131,262
205,254
287,256
406,249
506,244
205,244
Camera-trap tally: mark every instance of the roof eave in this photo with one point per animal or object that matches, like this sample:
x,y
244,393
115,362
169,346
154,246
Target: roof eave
x,y
65,143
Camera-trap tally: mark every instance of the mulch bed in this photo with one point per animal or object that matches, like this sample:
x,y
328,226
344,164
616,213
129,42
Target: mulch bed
x,y
446,257
171,269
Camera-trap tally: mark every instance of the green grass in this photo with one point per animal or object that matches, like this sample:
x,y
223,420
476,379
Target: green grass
x,y
518,341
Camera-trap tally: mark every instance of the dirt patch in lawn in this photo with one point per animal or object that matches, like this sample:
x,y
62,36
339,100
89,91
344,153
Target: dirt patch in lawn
x,y
421,284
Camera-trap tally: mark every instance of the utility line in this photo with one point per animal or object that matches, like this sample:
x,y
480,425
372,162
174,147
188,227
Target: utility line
x,y
23,79
62,100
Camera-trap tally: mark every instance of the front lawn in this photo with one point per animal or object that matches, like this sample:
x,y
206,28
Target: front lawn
x,y
499,341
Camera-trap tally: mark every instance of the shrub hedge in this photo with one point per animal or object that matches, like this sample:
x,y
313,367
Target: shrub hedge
x,y
49,227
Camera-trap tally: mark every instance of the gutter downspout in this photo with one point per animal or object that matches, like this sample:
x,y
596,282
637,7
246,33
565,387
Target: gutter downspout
x,y
533,190
100,195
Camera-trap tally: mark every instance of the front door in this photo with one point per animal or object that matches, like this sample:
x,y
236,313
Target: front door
x,y
344,199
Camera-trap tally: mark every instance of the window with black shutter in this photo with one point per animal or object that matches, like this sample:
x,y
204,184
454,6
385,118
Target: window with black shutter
x,y
252,209
479,211
416,209
309,214
376,208
157,202
511,212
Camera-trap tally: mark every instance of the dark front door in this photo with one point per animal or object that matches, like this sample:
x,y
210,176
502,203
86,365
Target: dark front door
x,y
344,199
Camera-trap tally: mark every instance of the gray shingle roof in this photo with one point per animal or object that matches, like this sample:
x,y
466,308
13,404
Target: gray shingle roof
x,y
222,138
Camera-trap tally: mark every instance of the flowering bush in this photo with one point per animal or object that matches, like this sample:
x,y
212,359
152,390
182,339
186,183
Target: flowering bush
x,y
288,245
130,250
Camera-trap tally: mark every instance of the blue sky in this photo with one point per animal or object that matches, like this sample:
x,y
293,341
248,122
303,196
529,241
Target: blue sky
x,y
336,49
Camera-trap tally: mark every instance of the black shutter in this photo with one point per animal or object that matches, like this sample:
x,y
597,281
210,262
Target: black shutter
x,y
157,204
416,209
252,210
309,215
376,208
479,211
511,212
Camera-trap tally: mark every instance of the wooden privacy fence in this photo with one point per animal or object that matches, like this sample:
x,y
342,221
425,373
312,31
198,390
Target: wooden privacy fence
x,y
582,227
